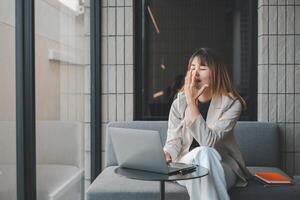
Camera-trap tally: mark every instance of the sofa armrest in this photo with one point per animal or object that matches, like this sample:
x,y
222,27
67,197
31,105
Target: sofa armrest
x,y
71,187
59,142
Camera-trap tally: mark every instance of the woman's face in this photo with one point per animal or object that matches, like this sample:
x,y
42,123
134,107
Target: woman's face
x,y
202,75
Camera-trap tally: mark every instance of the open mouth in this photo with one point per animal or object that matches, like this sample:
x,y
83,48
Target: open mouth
x,y
198,83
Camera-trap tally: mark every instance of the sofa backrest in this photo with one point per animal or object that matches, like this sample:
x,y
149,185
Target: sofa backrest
x,y
57,142
258,141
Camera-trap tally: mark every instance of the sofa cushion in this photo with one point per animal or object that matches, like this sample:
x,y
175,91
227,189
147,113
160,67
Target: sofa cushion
x,y
51,180
259,143
252,138
109,185
256,190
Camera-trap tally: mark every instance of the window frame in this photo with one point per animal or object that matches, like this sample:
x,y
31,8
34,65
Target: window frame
x,y
140,53
25,100
25,96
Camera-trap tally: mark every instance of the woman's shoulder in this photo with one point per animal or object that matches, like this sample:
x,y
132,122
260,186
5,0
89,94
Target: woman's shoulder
x,y
229,100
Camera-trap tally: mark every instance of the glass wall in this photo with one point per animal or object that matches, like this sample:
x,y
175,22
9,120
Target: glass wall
x,y
7,101
62,97
174,30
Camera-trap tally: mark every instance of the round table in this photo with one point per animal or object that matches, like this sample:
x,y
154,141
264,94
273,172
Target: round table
x,y
162,178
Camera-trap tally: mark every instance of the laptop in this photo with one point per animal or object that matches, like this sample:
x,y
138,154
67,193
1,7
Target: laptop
x,y
142,150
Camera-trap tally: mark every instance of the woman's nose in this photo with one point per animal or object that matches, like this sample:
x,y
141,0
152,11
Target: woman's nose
x,y
197,72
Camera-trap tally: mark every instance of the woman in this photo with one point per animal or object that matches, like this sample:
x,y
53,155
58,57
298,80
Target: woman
x,y
200,128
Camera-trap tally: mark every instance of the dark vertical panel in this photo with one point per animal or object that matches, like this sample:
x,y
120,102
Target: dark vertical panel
x,y
252,107
139,57
95,24
25,100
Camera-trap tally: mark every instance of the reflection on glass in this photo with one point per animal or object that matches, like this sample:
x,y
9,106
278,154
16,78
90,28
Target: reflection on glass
x,y
163,99
7,102
174,29
62,97
153,19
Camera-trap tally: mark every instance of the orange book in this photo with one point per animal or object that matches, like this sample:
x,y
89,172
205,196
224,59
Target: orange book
x,y
273,178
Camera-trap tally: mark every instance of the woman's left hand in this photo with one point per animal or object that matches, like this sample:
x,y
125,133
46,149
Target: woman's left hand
x,y
191,91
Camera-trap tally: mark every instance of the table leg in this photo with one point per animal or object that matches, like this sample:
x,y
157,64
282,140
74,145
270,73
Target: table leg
x,y
162,190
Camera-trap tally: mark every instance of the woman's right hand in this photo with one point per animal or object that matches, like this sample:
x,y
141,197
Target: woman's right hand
x,y
168,157
192,90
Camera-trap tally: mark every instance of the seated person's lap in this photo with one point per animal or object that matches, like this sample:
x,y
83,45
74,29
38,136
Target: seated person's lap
x,y
230,176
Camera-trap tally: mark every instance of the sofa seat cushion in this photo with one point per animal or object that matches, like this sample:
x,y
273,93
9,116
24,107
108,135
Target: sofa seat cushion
x,y
109,185
256,190
51,180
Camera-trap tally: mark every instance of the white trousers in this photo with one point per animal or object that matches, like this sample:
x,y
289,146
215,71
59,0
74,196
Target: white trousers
x,y
214,186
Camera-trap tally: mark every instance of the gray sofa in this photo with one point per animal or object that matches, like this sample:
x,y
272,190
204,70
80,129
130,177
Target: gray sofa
x,y
260,146
59,160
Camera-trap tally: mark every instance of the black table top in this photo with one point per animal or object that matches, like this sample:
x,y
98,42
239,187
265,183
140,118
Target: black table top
x,y
152,176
